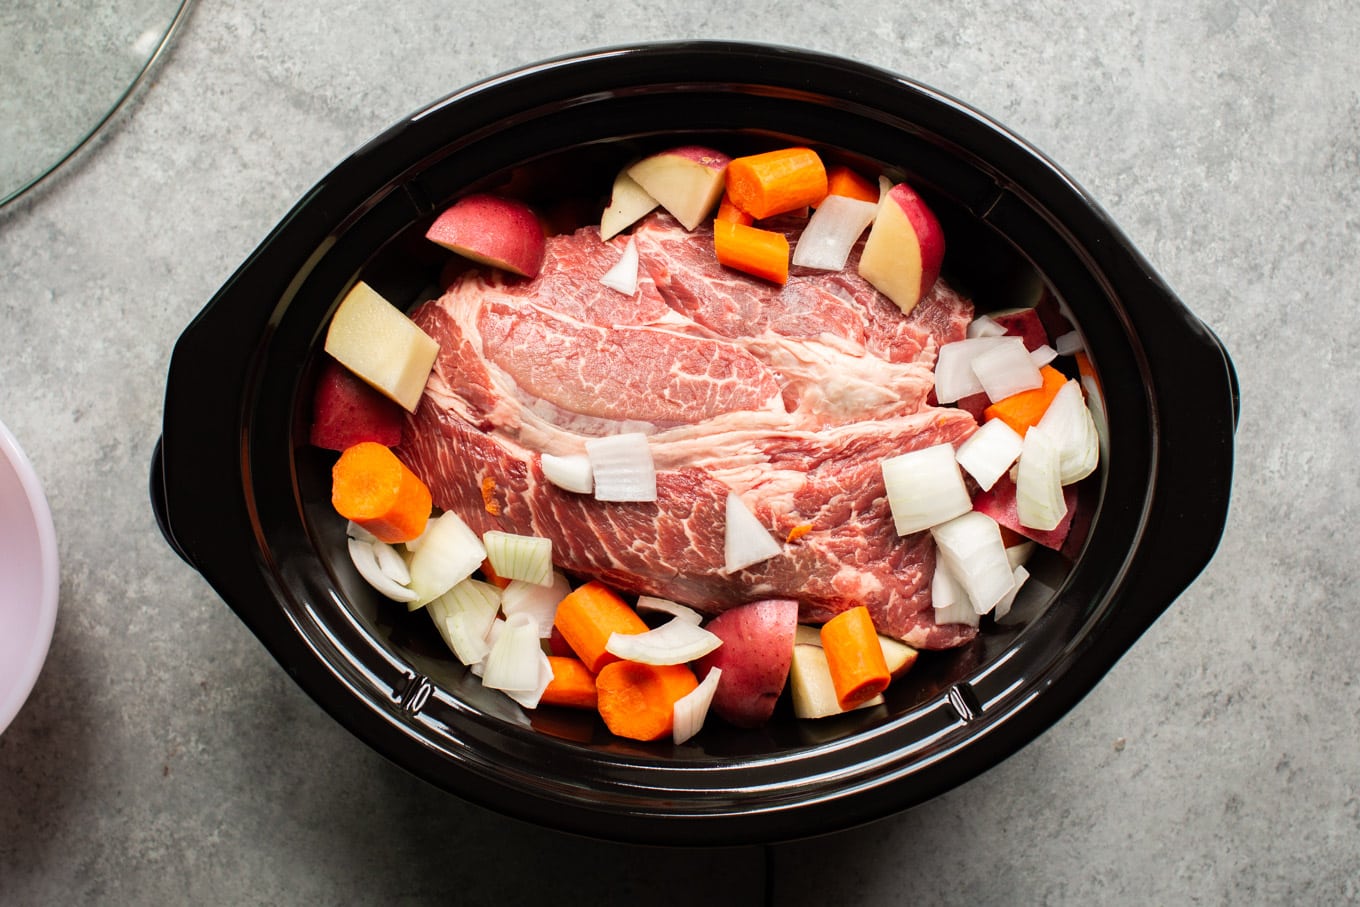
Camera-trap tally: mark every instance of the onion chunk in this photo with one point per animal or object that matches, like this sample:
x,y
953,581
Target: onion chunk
x,y
832,231
622,467
675,642
745,540
925,488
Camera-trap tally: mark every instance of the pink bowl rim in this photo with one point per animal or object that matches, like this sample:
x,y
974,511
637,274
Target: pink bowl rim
x,y
13,458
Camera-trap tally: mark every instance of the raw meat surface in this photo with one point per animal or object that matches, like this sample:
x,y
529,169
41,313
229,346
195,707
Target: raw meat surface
x,y
789,397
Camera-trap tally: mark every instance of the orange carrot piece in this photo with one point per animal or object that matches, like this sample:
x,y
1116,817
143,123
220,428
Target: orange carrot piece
x,y
1086,369
855,656
370,486
841,180
1026,408
489,501
587,617
797,532
637,701
764,185
492,577
760,253
571,685
728,211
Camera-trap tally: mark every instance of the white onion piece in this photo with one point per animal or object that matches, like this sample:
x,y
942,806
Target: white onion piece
x,y
449,553
365,560
745,540
691,709
1003,607
954,376
989,452
623,276
536,600
985,326
570,472
650,604
1068,421
491,636
530,698
622,467
675,642
1069,343
971,548
1039,502
952,605
525,557
925,487
1005,369
1042,355
464,615
512,663
355,531
832,231
1019,553
392,564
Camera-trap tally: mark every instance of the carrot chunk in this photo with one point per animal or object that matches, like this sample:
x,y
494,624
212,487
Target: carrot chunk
x,y
764,185
859,671
760,253
728,211
587,617
637,701
841,180
1026,408
571,685
370,486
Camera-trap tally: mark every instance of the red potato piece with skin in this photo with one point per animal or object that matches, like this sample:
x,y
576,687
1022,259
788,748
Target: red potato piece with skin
x,y
687,181
502,232
999,504
1025,324
905,248
757,648
347,411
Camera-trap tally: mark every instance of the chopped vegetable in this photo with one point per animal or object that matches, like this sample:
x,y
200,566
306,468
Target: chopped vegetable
x,y
811,688
760,253
1073,430
771,183
375,340
692,708
1068,343
745,540
623,276
831,233
954,375
1003,607
637,701
1038,483
570,472
1026,408
523,557
1005,369
971,547
512,663
925,487
985,326
377,491
650,604
989,452
463,616
727,211
449,553
677,641
365,559
537,600
346,410
588,616
854,657
572,685
1042,355
845,182
489,501
622,468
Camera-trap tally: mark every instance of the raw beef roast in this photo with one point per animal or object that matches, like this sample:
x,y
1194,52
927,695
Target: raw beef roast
x,y
790,397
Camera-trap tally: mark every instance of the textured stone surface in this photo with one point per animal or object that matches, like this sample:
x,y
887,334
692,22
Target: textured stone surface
x,y
164,757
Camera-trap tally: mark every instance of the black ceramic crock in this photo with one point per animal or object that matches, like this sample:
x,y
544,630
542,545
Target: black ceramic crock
x,y
243,499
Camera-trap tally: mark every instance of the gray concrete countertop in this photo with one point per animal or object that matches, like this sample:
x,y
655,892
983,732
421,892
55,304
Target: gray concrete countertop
x,y
165,758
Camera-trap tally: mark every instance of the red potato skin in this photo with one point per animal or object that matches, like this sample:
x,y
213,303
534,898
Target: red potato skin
x,y
502,232
1025,324
999,504
756,651
346,411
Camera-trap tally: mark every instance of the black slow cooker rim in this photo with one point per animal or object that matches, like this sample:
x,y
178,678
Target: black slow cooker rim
x,y
385,707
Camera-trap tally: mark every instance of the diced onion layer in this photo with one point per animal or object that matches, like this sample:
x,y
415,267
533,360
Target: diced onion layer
x,y
530,698
971,548
523,557
675,642
1039,502
536,600
1003,607
365,560
622,467
570,472
924,488
745,540
989,452
1069,343
1069,423
1042,355
1006,368
449,553
986,326
623,276
954,375
513,662
691,709
832,231
952,605
464,616
650,604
